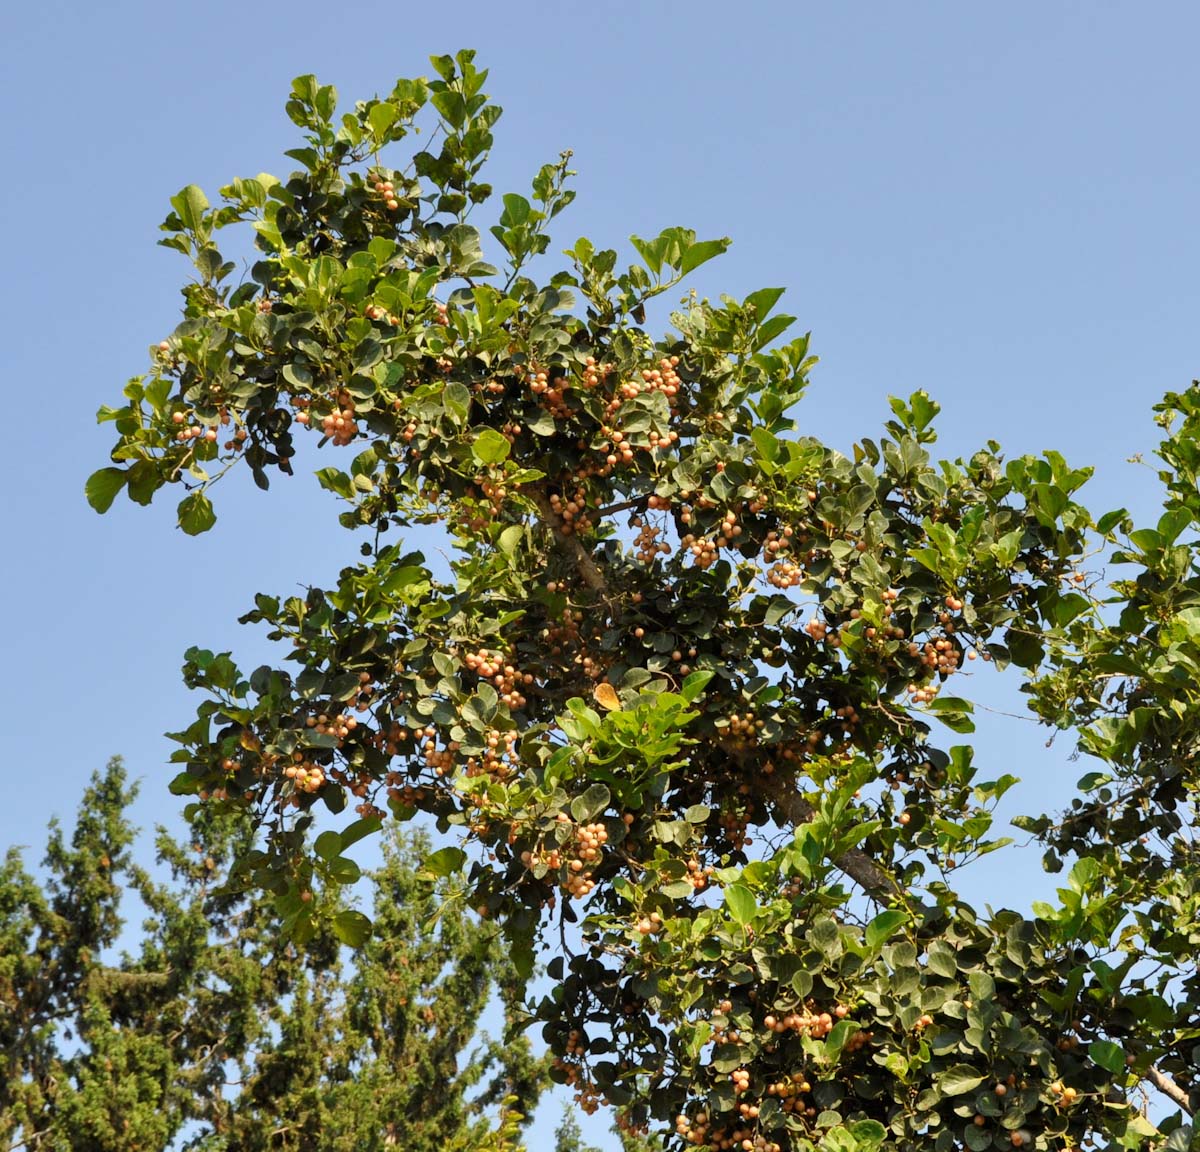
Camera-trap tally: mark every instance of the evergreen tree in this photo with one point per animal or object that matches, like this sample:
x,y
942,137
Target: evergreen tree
x,y
213,1032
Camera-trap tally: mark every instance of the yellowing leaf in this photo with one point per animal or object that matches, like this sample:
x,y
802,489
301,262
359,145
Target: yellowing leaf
x,y
606,697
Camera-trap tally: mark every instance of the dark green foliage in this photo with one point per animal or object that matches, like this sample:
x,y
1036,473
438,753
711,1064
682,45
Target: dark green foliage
x,y
684,710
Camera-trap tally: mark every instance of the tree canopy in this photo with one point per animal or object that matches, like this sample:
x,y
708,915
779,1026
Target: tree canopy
x,y
683,704
215,1034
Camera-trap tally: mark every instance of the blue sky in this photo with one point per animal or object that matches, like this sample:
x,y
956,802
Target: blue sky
x,y
996,203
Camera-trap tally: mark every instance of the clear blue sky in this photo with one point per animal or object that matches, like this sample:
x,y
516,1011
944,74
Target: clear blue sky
x,y
997,203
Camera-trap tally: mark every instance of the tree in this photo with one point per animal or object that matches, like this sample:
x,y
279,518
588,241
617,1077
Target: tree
x,y
222,1036
677,706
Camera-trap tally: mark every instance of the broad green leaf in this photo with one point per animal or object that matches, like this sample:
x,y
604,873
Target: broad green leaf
x,y
695,684
869,1134
102,487
190,204
510,538
1180,1140
588,806
185,784
457,399
763,301
355,832
196,514
978,1139
352,928
328,845
382,117
444,862
343,870
880,929
1110,1056
959,1079
740,902
700,252
490,447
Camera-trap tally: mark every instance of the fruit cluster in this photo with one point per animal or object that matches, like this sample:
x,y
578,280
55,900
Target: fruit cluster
x,y
647,546
385,190
698,875
697,1130
326,725
649,925
306,776
499,758
572,512
492,666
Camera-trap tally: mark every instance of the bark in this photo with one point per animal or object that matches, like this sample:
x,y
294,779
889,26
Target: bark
x,y
854,862
571,544
873,879
1169,1088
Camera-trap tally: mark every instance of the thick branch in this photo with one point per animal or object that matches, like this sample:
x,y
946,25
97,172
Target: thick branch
x,y
1168,1087
854,862
592,576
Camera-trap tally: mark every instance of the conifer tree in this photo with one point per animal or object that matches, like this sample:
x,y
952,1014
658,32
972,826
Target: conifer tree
x,y
208,1030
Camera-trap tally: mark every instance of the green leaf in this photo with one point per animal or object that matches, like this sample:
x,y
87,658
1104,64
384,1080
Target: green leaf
x,y
355,832
352,928
763,301
1180,1140
382,117
677,889
694,685
588,806
196,514
869,1134
1110,1056
490,447
343,870
457,399
190,203
959,1079
443,862
328,845
977,1138
740,902
941,959
510,538
102,487
517,210
699,253
953,712
880,929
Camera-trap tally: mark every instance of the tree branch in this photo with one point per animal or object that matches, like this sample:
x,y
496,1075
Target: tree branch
x,y
1169,1088
570,543
854,862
